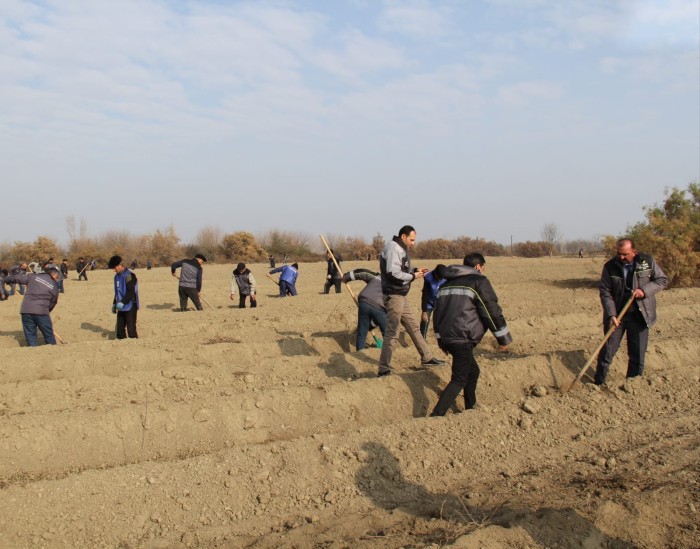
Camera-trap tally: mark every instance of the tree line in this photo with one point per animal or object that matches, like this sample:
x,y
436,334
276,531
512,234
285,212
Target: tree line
x,y
671,233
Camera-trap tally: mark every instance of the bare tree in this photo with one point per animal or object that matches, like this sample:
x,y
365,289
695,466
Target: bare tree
x,y
551,235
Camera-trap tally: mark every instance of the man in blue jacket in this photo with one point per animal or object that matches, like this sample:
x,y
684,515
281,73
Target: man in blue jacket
x,y
288,278
190,280
431,284
466,306
126,298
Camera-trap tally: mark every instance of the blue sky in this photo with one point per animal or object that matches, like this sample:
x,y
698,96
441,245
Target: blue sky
x,y
480,118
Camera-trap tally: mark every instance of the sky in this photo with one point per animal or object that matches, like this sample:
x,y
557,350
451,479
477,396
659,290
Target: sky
x,y
484,118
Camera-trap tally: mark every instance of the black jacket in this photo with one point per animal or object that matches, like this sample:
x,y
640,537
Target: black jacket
x,y
467,306
614,292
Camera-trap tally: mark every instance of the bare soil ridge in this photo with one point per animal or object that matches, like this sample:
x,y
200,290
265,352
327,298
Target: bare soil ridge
x,y
264,428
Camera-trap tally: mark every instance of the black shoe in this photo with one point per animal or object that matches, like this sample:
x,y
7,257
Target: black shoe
x,y
382,374
433,362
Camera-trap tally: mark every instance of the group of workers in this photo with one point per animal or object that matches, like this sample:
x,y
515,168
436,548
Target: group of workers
x,y
459,298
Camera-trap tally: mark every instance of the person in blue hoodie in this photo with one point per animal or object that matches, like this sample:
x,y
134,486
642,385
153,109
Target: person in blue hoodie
x,y
288,278
431,284
126,298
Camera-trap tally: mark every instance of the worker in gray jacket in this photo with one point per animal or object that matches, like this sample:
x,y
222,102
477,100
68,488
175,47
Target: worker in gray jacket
x,y
370,304
466,306
190,280
397,275
39,300
244,280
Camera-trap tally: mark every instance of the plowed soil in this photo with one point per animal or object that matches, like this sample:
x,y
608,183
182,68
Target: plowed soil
x,y
265,428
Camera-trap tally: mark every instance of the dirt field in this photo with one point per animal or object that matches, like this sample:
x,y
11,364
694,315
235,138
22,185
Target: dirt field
x,y
264,428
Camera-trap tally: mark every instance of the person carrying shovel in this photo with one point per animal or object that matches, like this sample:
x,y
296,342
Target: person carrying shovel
x,y
628,276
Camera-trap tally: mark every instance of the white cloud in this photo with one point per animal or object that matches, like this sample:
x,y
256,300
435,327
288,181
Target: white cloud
x,y
522,93
417,18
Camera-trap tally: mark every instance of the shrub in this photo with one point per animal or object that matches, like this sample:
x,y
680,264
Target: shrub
x,y
671,234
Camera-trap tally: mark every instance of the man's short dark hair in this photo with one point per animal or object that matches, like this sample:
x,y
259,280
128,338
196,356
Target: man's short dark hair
x,y
407,230
295,265
473,259
623,240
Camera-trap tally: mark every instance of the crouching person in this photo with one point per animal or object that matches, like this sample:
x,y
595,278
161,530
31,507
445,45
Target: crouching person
x,y
39,300
466,306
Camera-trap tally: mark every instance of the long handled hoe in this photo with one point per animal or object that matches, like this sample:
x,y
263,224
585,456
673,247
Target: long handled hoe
x,y
566,388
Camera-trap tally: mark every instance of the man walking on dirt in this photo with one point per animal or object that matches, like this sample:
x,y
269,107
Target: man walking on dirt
x,y
466,306
126,298
190,280
396,277
628,275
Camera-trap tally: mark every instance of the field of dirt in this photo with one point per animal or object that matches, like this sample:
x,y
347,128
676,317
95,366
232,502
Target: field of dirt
x,y
265,428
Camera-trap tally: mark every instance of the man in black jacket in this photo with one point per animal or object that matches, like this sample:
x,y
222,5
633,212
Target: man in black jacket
x,y
628,274
466,306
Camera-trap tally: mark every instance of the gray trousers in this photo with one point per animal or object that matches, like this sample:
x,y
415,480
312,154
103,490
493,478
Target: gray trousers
x,y
399,313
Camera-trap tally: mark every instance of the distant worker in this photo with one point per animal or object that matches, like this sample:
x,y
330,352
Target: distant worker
x,y
81,266
149,265
628,275
63,267
190,280
134,265
370,304
15,270
580,253
397,275
39,300
271,259
244,280
4,292
431,284
466,307
333,276
126,298
288,279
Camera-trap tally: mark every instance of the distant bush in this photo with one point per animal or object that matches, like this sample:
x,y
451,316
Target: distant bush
x,y
441,248
671,234
241,246
295,246
532,249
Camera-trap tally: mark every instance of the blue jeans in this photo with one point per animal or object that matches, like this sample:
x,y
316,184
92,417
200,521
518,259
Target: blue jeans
x,y
31,322
286,287
366,315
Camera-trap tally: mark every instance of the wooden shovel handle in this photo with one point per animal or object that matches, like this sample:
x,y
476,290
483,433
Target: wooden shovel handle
x,y
605,339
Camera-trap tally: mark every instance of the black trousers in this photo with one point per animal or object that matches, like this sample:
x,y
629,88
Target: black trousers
x,y
126,324
634,325
465,375
241,302
330,283
191,293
